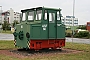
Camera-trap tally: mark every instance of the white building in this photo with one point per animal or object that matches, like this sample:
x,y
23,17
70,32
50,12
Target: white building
x,y
10,16
68,21
0,16
0,19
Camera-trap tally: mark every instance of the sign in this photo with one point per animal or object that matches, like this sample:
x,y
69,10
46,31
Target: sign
x,y
44,26
58,24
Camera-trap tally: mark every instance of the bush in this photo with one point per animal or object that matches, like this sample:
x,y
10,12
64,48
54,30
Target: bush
x,y
68,34
82,34
76,35
6,26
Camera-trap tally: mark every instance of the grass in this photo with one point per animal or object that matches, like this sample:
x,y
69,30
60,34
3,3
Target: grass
x,y
77,46
8,32
4,57
78,56
6,44
68,31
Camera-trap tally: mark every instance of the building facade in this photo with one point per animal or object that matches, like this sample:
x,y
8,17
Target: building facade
x,y
88,26
10,16
1,16
68,21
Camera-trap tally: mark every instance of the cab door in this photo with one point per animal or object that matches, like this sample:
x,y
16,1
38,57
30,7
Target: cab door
x,y
52,24
60,27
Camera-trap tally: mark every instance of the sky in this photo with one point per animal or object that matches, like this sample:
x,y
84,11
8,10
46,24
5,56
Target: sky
x,y
81,11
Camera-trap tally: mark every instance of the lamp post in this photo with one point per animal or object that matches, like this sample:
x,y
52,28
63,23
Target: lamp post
x,y
73,20
1,17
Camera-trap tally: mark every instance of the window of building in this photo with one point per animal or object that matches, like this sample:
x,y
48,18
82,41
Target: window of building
x,y
31,15
14,14
66,19
62,19
76,21
88,24
8,14
68,23
62,22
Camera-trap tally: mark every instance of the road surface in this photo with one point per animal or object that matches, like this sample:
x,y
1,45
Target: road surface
x,y
6,36
76,40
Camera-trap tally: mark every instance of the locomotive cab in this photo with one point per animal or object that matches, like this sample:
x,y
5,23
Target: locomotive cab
x,y
40,28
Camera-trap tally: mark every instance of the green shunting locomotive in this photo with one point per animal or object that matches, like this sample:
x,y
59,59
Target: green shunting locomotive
x,y
40,28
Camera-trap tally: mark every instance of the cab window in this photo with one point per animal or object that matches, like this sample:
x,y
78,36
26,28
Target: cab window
x,y
31,15
23,16
58,15
45,15
38,15
51,17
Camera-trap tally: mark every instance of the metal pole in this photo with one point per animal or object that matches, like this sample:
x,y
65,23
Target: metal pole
x,y
73,20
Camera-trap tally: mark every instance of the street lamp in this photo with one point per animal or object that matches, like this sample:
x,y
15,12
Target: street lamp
x,y
1,17
73,20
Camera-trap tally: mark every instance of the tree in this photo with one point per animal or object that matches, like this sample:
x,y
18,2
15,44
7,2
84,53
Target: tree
x,y
82,27
0,23
5,25
15,22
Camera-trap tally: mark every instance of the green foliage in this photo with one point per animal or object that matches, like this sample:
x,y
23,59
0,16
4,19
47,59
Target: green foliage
x,y
15,22
7,32
6,26
82,34
82,27
0,23
68,34
6,44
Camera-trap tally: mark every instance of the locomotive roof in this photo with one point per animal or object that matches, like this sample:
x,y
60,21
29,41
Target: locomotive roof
x,y
40,8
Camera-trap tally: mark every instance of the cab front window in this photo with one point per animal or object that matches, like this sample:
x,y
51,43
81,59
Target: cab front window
x,y
31,15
